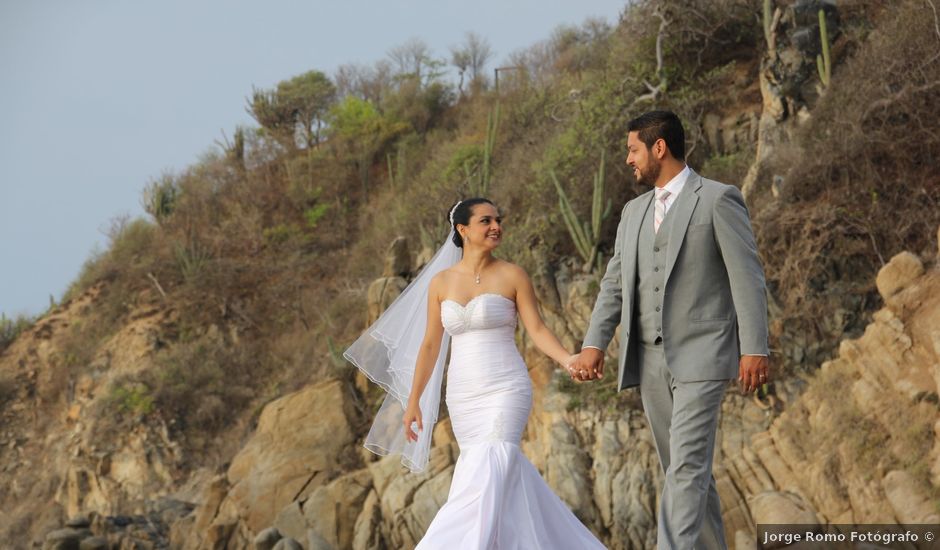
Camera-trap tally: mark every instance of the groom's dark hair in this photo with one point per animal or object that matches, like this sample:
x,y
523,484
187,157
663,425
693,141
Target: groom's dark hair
x,y
663,125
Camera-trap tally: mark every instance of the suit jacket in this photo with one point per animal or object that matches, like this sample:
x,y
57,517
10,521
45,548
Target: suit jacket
x,y
714,301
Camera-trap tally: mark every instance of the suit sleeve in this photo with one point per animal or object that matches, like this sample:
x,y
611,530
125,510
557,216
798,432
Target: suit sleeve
x,y
607,308
738,248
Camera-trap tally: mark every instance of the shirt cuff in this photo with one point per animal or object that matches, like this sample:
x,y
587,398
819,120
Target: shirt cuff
x,y
754,355
595,347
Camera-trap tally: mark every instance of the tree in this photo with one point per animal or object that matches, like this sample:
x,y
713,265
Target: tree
x,y
413,60
359,130
471,57
364,82
296,106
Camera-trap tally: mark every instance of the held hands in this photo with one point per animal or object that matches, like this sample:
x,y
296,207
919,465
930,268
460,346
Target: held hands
x,y
412,415
587,365
753,372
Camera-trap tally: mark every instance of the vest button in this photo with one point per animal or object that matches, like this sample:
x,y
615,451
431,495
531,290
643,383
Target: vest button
x,y
655,249
656,269
657,308
656,289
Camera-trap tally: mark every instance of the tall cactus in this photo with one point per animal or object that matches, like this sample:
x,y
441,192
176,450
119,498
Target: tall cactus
x,y
586,236
768,21
492,124
823,61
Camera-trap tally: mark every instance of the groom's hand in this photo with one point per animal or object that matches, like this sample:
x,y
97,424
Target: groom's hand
x,y
753,372
589,366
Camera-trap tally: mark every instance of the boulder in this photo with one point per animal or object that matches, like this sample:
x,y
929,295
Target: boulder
x,y
299,439
398,259
776,507
908,498
267,539
900,272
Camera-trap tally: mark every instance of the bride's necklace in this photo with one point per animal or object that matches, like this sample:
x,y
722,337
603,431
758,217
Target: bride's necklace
x,y
476,274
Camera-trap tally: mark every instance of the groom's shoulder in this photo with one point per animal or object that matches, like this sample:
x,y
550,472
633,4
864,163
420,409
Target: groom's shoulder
x,y
636,201
713,188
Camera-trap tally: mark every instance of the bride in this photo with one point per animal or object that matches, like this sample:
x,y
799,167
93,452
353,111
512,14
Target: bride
x,y
497,498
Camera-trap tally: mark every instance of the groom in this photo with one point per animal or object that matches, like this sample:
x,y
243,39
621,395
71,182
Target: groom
x,y
687,289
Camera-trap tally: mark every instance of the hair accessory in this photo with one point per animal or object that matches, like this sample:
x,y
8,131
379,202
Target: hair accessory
x,y
452,210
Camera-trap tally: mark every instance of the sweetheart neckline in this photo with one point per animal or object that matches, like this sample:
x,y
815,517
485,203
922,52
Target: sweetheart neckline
x,y
470,301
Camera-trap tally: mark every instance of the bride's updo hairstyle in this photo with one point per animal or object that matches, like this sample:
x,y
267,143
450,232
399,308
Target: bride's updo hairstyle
x,y
460,213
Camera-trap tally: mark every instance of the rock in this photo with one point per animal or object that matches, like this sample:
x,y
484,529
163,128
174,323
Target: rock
x,y
711,124
744,541
65,539
290,521
775,507
316,542
218,534
567,471
381,293
78,521
366,535
94,543
267,538
299,439
397,259
900,272
397,490
331,511
288,544
443,433
907,498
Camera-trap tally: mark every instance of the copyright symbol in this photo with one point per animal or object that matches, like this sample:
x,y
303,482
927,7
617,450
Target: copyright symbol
x,y
928,536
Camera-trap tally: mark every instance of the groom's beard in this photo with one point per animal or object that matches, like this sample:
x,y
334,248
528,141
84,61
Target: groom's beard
x,y
651,174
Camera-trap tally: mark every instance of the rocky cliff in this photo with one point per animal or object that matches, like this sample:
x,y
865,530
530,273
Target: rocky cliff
x,y
854,442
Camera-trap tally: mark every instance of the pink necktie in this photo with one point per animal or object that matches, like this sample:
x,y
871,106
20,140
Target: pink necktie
x,y
659,212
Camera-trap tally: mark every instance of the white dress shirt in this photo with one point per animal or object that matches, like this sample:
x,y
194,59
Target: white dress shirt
x,y
675,185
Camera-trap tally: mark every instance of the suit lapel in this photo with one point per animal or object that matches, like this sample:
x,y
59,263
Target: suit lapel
x,y
682,214
631,242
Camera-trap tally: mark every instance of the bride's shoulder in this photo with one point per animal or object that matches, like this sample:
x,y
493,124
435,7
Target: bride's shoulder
x,y
441,276
512,270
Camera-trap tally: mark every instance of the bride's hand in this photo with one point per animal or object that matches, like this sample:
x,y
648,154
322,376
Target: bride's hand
x,y
412,415
569,362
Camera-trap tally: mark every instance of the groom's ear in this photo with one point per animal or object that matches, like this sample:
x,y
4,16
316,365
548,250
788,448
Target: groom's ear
x,y
660,150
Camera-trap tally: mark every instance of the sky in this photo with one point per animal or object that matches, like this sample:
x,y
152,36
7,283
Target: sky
x,y
98,97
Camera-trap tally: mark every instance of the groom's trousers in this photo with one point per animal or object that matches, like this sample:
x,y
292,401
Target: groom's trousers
x,y
683,417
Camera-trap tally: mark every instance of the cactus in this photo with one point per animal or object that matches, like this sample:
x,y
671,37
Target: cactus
x,y
336,356
391,173
492,123
768,17
823,61
586,236
395,171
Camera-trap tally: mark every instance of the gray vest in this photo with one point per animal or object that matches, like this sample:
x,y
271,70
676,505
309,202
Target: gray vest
x,y
651,276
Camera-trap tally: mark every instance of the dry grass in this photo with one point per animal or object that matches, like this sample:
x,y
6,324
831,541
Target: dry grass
x,y
861,185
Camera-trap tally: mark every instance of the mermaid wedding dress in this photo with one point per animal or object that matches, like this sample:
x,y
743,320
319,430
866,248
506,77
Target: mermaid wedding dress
x,y
497,498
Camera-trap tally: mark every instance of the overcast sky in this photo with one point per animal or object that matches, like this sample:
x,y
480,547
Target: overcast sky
x,y
99,96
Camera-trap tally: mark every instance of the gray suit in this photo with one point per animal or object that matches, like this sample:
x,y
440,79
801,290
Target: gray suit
x,y
689,300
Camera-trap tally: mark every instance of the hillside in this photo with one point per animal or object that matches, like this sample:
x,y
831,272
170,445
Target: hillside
x,y
189,390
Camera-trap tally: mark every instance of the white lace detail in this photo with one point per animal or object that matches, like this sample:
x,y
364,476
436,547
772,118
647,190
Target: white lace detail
x,y
499,428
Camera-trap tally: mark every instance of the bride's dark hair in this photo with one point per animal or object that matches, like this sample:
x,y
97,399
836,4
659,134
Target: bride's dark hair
x,y
462,214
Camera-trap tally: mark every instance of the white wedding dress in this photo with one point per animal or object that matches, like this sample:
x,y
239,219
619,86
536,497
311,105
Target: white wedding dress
x,y
497,498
